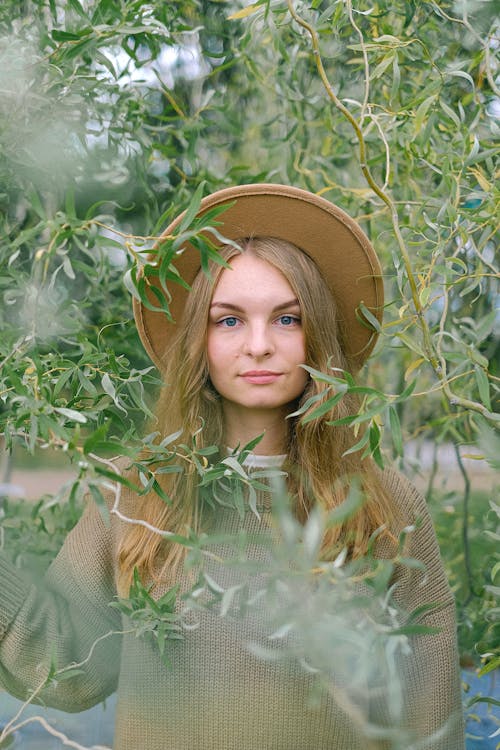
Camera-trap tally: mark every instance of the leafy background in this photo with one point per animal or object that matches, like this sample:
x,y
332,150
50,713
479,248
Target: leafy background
x,y
114,112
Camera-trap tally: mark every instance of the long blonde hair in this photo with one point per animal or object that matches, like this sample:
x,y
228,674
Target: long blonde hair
x,y
317,449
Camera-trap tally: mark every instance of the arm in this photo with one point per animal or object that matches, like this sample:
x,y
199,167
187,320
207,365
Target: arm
x,y
430,671
63,621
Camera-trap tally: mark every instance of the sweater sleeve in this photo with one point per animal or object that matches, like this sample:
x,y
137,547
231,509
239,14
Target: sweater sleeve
x,y
430,669
65,621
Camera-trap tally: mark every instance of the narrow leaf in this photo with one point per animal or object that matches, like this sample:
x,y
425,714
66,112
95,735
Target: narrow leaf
x,y
245,12
192,209
483,386
72,414
100,502
367,318
396,434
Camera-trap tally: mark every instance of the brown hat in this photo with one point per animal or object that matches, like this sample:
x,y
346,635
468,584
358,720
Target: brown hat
x,y
333,239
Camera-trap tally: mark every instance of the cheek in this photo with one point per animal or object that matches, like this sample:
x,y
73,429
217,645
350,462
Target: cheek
x,y
300,349
217,351
298,353
211,352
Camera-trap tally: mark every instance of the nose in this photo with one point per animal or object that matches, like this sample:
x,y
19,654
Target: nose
x,y
258,341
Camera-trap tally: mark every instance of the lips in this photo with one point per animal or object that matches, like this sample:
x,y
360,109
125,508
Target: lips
x,y
260,377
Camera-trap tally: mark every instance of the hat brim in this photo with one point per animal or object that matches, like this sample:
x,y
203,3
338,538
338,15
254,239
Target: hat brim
x,y
327,234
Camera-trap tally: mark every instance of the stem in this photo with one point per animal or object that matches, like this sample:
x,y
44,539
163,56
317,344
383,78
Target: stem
x,y
433,472
465,528
64,739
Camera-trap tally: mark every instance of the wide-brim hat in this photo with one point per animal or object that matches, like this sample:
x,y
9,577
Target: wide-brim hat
x,y
341,250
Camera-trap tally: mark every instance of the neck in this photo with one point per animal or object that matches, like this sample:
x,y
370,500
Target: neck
x,y
240,429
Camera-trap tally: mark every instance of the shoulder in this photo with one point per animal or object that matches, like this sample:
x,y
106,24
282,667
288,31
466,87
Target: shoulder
x,y
419,570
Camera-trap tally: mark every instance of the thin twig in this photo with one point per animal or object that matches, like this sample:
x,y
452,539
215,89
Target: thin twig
x,y
115,510
465,528
55,733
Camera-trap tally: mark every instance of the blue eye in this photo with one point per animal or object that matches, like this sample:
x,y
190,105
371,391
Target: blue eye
x,y
229,322
288,320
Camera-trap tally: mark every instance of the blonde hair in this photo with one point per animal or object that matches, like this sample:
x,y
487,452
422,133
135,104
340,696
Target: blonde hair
x,y
324,469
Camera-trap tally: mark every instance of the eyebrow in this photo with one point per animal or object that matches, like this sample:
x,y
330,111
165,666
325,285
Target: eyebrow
x,y
237,308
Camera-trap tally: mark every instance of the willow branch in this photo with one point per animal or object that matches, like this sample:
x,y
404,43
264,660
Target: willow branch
x,y
437,362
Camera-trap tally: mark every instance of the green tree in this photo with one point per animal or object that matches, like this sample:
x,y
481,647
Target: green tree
x,y
113,112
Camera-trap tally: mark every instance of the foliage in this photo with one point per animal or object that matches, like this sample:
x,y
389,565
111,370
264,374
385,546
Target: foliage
x,y
150,617
115,115
478,624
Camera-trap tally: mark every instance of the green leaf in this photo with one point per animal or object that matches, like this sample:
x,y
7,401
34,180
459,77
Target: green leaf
x,y
451,114
100,502
490,666
324,408
423,609
110,389
63,380
66,36
130,285
406,393
75,4
367,318
36,204
424,295
192,209
158,489
86,384
172,438
33,432
483,386
396,78
461,74
245,12
115,477
375,436
382,66
360,444
396,434
495,570
485,325
97,437
422,110
411,344
72,414
108,386
235,465
68,268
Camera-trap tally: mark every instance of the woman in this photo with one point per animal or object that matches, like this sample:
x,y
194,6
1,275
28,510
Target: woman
x,y
291,295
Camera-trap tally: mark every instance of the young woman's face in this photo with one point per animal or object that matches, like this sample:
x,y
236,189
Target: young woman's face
x,y
255,343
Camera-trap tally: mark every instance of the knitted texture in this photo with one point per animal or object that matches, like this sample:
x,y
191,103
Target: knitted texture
x,y
218,693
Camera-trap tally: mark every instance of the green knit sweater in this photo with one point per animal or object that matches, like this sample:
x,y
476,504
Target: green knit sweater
x,y
219,692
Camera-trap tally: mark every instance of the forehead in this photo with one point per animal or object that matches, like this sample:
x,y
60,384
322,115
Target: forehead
x,y
251,276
